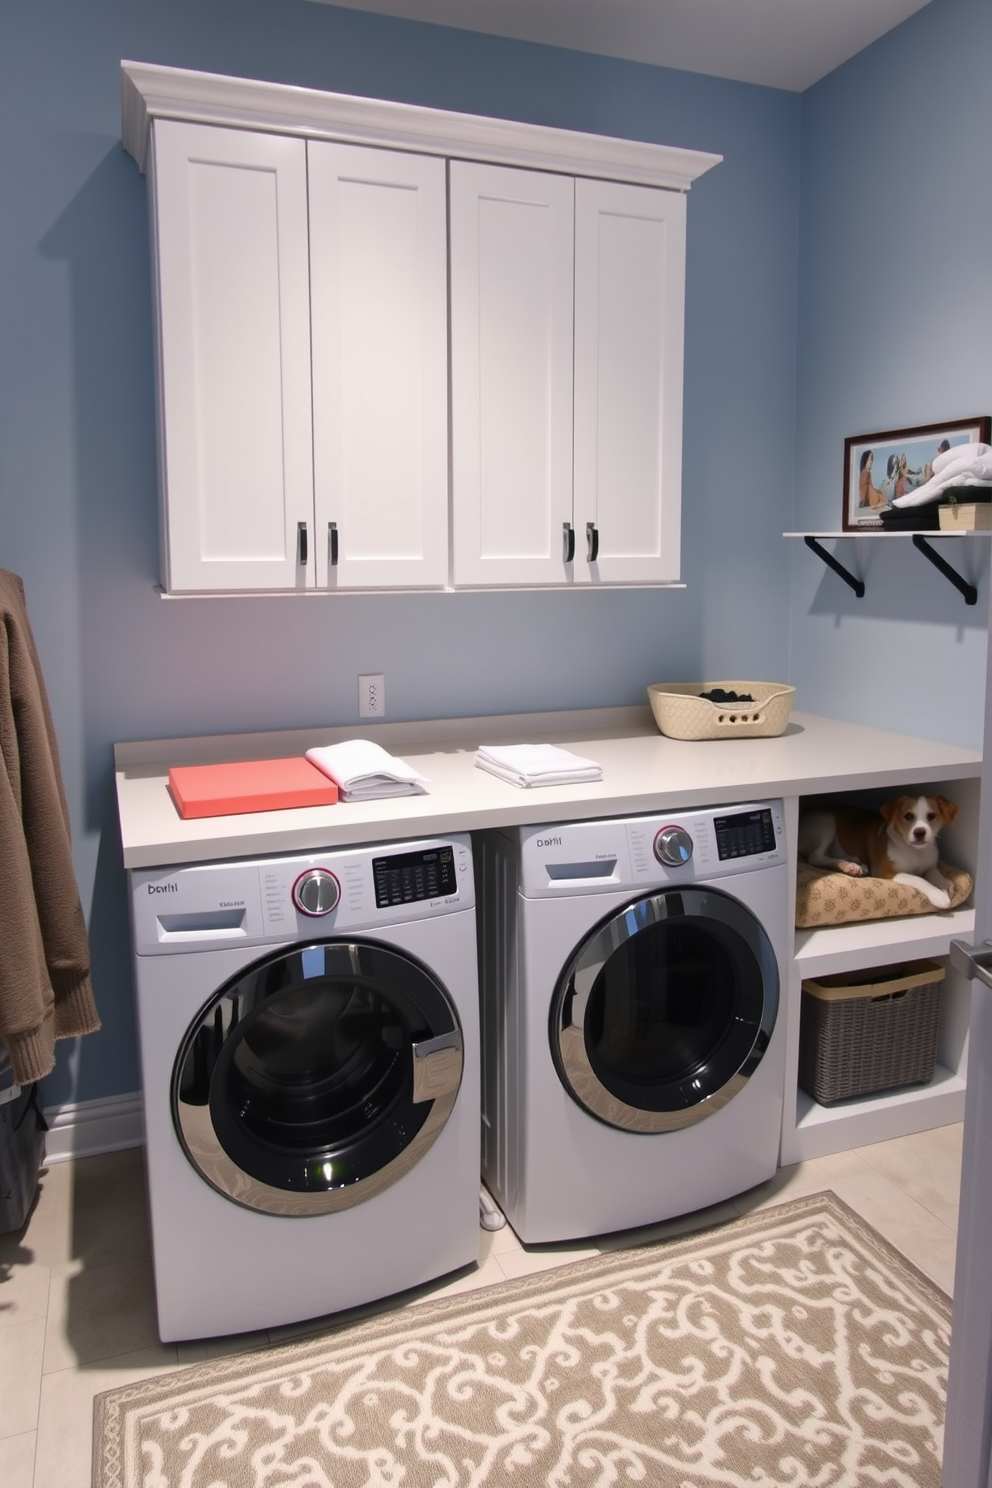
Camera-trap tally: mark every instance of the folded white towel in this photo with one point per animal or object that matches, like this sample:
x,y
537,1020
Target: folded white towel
x,y
957,452
536,764
962,470
364,771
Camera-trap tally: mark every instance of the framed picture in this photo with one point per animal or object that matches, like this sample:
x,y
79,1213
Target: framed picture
x,y
879,467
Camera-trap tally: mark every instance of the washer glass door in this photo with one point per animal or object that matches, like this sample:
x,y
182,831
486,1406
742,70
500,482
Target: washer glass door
x,y
665,1010
317,1077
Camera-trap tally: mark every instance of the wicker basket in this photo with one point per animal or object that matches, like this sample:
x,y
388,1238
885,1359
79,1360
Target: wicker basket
x,y
861,1032
681,713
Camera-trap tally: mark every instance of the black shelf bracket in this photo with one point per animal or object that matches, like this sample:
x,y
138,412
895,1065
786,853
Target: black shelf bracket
x,y
856,584
968,590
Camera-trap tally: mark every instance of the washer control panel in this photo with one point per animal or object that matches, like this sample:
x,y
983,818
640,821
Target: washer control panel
x,y
213,905
639,851
405,878
745,834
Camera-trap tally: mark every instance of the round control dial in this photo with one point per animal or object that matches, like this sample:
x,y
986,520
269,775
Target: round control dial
x,y
316,892
673,846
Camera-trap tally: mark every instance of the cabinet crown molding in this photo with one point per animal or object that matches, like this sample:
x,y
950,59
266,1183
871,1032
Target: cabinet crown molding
x,y
150,92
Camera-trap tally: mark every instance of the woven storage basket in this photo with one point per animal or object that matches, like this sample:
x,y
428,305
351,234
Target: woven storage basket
x,y
862,1032
681,713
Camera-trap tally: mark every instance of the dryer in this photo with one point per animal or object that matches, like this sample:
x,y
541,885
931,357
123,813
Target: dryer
x,y
633,1046
310,1059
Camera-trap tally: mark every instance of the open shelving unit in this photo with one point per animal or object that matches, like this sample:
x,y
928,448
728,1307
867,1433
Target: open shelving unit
x,y
811,1130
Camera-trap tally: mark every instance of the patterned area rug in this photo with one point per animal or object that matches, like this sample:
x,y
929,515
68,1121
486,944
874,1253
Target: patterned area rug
x,y
793,1347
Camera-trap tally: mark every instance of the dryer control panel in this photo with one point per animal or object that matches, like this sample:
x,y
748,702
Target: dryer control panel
x,y
638,852
299,897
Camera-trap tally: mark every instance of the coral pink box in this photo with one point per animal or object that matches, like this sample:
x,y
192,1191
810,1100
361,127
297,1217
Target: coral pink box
x,y
249,785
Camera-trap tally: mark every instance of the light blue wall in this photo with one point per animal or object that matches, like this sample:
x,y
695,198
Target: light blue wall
x,y
895,309
77,454
885,249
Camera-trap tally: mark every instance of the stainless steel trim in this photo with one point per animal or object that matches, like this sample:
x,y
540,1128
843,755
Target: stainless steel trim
x,y
596,1098
437,1066
579,977
437,1072
224,1174
974,962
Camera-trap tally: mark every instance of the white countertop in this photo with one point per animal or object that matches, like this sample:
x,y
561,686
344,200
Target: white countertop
x,y
642,771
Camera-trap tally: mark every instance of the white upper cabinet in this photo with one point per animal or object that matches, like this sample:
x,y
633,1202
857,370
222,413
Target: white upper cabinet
x,y
566,378
378,285
511,373
295,275
233,329
333,274
629,277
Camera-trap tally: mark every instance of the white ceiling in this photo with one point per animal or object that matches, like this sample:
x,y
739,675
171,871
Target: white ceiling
x,y
780,43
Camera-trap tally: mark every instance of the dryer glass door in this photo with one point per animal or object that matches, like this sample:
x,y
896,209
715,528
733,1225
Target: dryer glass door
x,y
665,1010
317,1077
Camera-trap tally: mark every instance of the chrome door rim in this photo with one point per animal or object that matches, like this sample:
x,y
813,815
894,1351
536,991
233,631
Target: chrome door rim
x,y
211,1160
569,1007
437,1067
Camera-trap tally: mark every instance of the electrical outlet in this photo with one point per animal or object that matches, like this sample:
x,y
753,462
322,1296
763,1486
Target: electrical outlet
x,y
372,696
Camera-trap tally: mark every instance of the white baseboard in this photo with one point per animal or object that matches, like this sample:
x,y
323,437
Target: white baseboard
x,y
91,1127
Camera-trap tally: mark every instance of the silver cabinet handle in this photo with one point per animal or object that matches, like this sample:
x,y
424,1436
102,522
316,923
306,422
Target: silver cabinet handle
x,y
974,962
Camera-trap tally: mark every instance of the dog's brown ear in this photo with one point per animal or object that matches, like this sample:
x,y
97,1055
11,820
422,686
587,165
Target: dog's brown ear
x,y
890,810
948,810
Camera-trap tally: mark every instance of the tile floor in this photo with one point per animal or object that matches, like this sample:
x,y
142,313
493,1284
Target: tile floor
x,y
76,1304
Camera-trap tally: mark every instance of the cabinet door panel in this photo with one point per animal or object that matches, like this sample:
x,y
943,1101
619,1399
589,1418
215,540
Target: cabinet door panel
x,y
629,273
230,232
511,368
378,266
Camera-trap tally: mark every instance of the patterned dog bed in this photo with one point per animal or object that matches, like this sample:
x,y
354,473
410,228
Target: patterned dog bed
x,y
827,898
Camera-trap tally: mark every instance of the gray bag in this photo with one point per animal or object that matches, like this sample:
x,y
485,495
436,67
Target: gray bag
x,y
22,1147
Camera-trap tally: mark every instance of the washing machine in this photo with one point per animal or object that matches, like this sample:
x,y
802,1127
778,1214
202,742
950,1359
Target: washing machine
x,y
633,1046
309,1036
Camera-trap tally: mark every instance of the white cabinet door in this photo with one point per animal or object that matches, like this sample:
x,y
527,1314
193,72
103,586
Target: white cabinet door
x,y
230,237
520,389
511,373
629,305
378,286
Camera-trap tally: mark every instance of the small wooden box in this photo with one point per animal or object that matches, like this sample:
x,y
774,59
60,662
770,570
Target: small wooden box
x,y
966,516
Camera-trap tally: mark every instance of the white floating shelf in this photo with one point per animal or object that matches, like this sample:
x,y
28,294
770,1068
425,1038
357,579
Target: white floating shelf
x,y
921,541
900,532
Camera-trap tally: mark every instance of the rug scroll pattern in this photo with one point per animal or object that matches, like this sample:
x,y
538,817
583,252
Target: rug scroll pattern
x,y
793,1347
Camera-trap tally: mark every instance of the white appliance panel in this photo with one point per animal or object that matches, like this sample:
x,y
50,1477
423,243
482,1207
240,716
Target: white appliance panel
x,y
251,903
593,856
557,1171
221,1268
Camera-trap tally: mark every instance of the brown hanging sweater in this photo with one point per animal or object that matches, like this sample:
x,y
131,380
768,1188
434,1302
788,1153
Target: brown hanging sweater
x,y
45,990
